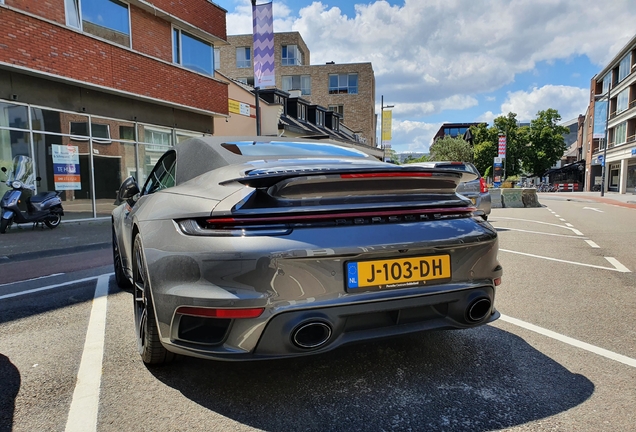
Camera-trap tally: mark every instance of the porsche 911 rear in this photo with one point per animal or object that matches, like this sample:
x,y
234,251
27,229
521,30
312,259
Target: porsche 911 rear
x,y
302,259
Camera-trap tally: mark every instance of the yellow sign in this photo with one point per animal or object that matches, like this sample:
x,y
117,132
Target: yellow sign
x,y
234,106
386,126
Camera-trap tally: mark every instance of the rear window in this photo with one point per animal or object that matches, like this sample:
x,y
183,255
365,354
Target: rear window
x,y
284,148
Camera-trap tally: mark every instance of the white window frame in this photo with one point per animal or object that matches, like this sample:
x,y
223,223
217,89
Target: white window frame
x,y
304,83
152,146
624,67
606,82
243,64
345,77
302,112
620,134
78,10
97,140
180,49
296,60
217,57
624,98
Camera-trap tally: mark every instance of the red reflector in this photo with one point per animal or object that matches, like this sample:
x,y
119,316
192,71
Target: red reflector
x,y
390,174
497,281
220,313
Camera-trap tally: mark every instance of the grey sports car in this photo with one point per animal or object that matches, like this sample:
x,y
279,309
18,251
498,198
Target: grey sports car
x,y
253,248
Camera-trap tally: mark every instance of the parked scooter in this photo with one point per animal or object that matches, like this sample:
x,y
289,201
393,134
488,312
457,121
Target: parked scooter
x,y
45,207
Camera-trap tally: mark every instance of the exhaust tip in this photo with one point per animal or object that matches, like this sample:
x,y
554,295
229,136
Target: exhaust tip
x,y
311,335
479,309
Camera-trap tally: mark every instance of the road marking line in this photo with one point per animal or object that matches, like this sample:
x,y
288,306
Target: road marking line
x,y
591,243
571,341
82,416
538,232
593,208
569,225
620,267
561,219
32,279
571,262
556,215
575,231
31,291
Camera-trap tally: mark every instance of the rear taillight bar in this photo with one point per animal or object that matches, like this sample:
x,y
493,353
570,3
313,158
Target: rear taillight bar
x,y
483,186
389,174
327,216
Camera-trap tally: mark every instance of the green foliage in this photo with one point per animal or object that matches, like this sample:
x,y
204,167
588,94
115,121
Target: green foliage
x,y
547,143
451,149
423,158
392,156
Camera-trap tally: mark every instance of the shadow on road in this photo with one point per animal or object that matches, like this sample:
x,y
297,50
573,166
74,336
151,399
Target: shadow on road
x,y
10,385
478,380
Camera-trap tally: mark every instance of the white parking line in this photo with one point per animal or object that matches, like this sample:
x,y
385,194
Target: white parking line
x,y
32,279
561,219
49,287
556,215
82,416
571,341
569,224
575,231
539,232
591,243
617,265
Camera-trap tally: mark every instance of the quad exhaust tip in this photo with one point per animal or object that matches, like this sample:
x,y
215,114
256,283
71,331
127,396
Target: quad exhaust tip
x,y
479,309
312,335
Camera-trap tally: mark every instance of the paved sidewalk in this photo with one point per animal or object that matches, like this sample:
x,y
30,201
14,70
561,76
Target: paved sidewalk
x,y
24,243
623,200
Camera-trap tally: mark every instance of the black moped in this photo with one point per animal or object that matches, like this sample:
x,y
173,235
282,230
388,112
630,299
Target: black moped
x,y
45,207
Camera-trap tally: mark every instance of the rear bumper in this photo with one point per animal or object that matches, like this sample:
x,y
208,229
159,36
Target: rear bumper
x,y
347,324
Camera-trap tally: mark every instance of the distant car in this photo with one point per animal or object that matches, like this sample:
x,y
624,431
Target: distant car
x,y
255,248
476,190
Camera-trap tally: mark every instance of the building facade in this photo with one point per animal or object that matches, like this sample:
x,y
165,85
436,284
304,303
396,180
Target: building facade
x,y
348,89
616,82
114,84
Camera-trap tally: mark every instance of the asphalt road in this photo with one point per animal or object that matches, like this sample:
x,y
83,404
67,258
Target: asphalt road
x,y
562,357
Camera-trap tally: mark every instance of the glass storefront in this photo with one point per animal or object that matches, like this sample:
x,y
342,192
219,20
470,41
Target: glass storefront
x,y
631,177
102,153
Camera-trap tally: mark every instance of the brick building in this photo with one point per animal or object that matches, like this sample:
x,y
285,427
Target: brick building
x,y
347,88
116,82
616,81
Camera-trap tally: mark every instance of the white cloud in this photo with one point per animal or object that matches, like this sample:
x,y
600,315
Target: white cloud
x,y
413,136
569,101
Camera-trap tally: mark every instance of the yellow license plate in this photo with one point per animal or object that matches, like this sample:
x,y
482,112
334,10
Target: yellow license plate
x,y
397,273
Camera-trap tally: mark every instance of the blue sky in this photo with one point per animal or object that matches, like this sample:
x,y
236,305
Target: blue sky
x,y
443,61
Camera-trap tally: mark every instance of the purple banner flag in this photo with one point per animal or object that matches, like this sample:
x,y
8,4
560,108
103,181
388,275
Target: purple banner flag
x,y
263,45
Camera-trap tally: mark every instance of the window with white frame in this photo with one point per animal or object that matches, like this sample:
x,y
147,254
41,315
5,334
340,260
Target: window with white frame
x,y
624,67
217,58
622,101
302,112
320,117
160,138
620,134
606,82
297,82
291,56
107,19
192,52
337,108
243,57
343,83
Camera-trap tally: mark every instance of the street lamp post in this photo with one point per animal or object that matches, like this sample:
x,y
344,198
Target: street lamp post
x,y
382,106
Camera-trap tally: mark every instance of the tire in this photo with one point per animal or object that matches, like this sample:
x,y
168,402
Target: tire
x,y
4,223
54,221
120,275
146,330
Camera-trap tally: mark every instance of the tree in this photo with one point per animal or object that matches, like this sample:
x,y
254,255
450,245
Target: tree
x,y
486,145
547,143
451,149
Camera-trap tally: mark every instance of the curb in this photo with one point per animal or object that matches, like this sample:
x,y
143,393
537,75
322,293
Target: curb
x,y
26,256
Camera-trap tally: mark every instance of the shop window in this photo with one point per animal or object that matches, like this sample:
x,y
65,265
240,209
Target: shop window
x,y
192,53
14,116
100,131
127,133
107,19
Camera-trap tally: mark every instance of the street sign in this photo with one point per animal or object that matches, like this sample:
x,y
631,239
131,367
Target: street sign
x,y
634,151
502,146
498,160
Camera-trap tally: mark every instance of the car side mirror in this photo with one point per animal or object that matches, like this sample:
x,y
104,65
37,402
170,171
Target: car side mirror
x,y
127,190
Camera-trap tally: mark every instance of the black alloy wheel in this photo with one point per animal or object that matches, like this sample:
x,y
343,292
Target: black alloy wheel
x,y
53,221
120,276
147,332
